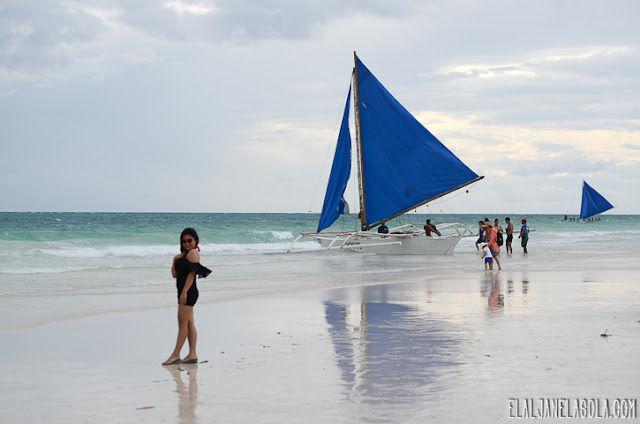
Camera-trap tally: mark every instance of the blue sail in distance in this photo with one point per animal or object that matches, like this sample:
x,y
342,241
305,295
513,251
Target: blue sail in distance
x,y
334,203
593,202
403,165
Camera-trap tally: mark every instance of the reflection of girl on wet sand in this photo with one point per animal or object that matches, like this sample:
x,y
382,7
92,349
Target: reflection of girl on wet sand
x,y
188,396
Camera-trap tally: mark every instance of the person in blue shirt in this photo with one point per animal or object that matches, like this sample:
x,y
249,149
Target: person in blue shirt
x,y
383,229
480,235
524,235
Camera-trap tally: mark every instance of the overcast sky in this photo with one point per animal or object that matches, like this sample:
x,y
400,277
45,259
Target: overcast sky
x,y
235,105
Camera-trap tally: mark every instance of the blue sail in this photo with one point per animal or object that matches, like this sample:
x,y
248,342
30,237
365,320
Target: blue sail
x,y
593,202
334,203
403,164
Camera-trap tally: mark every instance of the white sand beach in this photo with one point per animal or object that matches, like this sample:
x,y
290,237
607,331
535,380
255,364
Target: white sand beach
x,y
447,349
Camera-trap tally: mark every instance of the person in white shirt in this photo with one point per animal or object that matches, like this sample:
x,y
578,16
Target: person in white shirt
x,y
488,258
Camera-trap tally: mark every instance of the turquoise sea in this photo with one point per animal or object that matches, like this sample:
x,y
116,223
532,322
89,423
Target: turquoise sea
x,y
56,266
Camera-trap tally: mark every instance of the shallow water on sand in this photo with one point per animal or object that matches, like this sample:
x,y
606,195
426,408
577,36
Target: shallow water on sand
x,y
59,266
436,350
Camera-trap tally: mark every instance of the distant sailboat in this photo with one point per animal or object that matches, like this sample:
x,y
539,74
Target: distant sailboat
x,y
593,203
400,166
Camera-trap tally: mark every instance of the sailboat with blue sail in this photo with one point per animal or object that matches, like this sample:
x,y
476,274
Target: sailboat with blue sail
x,y
400,166
593,203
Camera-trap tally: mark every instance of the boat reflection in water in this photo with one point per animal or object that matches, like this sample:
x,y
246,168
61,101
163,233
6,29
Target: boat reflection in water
x,y
412,344
388,352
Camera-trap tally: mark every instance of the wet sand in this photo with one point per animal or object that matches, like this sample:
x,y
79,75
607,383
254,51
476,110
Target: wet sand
x,y
450,349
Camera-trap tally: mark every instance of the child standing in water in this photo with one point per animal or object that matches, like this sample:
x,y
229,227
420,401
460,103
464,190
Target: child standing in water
x,y
488,258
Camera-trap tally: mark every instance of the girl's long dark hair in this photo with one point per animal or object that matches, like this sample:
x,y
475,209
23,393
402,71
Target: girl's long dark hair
x,y
188,232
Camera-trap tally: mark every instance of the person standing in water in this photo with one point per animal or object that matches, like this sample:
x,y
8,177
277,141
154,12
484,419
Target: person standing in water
x,y
498,227
509,232
186,266
491,237
488,257
524,235
480,235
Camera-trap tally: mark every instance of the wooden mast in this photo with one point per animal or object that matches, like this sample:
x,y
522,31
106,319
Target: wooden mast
x,y
356,94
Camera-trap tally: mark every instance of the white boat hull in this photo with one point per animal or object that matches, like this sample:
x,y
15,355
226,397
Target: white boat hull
x,y
413,245
403,240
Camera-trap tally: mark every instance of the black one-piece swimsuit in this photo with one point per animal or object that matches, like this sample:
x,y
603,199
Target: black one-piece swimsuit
x,y
183,268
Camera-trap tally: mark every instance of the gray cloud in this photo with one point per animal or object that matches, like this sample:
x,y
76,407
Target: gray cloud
x,y
45,43
575,163
92,87
246,20
34,34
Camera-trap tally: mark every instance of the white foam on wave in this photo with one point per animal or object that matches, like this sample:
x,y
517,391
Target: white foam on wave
x,y
278,235
282,235
47,270
108,251
256,247
577,237
129,251
26,290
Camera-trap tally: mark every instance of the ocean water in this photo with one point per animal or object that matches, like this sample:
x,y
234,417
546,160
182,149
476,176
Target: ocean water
x,y
59,266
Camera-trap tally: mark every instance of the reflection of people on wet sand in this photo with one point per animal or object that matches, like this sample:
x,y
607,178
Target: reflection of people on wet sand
x,y
525,285
187,395
495,298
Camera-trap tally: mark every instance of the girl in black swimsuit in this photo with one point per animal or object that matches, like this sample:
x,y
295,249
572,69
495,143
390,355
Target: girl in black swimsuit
x,y
186,266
